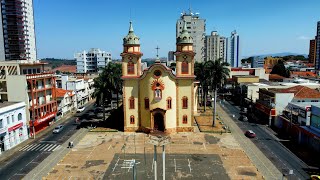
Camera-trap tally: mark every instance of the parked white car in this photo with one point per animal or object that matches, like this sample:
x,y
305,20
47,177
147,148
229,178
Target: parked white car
x,y
81,109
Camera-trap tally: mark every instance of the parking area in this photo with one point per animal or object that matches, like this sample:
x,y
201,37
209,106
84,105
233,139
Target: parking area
x,y
105,155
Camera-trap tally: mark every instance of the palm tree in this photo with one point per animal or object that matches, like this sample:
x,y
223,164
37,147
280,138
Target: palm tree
x,y
217,73
100,91
199,69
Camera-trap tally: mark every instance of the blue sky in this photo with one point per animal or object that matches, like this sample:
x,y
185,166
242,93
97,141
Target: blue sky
x,y
64,27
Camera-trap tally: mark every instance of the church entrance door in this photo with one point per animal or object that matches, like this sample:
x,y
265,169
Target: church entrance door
x,y
158,122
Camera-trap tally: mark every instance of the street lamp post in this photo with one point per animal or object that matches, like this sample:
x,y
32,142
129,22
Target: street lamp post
x,y
159,141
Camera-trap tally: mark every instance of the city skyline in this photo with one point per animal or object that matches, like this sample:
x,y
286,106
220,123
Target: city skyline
x,y
61,31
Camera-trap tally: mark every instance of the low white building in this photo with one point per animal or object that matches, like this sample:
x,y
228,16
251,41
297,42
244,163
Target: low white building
x,y
66,100
13,124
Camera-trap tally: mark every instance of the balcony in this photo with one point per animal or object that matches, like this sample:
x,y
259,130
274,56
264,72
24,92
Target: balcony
x,y
39,75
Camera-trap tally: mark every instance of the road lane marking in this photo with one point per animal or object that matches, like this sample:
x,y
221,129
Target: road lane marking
x,y
41,145
48,147
22,149
56,148
32,145
31,149
44,147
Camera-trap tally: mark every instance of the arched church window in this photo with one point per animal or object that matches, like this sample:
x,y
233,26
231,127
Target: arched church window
x,y
185,102
131,103
185,119
131,119
184,67
157,94
169,103
130,67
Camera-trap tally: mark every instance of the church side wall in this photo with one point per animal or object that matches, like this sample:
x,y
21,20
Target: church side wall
x,y
131,90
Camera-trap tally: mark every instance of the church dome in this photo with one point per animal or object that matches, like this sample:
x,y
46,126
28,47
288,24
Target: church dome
x,y
131,38
184,37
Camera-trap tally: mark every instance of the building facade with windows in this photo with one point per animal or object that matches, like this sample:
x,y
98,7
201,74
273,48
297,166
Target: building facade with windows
x,y
13,124
233,50
27,82
92,61
312,51
317,62
17,32
155,98
215,47
196,27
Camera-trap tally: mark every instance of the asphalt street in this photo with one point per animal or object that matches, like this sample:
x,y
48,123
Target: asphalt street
x,y
270,145
29,156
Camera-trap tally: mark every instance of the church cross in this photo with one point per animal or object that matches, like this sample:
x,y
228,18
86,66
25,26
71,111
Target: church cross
x,y
157,48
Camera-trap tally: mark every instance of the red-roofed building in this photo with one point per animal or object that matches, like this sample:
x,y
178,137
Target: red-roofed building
x,y
66,100
302,74
66,69
272,102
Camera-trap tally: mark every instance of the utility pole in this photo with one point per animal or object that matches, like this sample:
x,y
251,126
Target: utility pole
x,y
164,162
155,162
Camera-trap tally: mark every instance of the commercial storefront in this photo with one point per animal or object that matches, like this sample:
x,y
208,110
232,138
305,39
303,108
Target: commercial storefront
x,y
13,125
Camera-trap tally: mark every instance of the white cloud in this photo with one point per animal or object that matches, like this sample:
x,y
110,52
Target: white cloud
x,y
303,38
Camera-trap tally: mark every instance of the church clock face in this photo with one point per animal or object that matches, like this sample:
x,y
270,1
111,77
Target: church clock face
x,y
185,57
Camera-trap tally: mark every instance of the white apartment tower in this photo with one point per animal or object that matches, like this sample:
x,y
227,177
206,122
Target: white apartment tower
x,y
233,50
17,34
215,47
197,28
92,61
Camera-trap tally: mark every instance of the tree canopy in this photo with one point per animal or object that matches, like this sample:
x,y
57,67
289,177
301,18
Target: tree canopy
x,y
280,69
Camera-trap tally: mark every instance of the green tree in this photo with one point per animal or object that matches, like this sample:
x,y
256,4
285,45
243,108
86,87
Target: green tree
x,y
217,74
280,69
199,69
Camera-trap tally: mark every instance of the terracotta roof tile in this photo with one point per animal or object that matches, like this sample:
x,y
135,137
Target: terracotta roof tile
x,y
301,92
61,92
66,68
303,73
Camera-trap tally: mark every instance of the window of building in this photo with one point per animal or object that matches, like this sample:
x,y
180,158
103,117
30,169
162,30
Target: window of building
x,y
132,119
184,67
8,121
1,125
185,119
146,103
19,117
131,103
130,67
184,102
169,103
12,118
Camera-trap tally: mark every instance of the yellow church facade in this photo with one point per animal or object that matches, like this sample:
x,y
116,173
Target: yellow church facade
x,y
157,98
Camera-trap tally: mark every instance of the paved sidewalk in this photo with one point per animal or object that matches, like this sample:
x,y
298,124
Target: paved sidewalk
x,y
264,165
46,165
103,155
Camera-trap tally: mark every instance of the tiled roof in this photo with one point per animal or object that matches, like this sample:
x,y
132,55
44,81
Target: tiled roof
x,y
61,92
303,73
66,68
275,76
301,92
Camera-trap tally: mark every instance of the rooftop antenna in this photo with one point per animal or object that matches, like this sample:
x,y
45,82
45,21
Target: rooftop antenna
x,y
190,11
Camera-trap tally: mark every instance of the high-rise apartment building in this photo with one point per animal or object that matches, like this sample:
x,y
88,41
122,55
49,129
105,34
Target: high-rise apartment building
x,y
317,62
223,48
92,61
197,28
312,51
17,34
171,56
215,47
233,50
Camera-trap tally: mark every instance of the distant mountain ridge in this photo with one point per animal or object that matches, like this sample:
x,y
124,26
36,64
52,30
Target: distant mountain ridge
x,y
278,54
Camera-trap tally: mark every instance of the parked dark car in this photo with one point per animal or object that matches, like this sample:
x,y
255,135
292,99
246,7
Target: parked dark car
x,y
243,118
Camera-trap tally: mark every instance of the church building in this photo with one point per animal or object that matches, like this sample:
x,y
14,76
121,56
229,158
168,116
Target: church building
x,y
157,98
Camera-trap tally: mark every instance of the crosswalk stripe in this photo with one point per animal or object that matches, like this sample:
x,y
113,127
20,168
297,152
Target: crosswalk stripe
x,y
22,149
27,149
35,147
52,147
46,149
57,147
41,145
